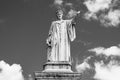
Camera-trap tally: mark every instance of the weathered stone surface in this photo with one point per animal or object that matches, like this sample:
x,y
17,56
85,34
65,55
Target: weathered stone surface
x,y
57,67
57,76
61,33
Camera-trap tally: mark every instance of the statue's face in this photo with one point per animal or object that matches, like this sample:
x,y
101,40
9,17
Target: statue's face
x,y
60,15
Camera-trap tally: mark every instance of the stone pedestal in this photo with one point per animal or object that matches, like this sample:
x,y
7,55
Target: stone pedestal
x,y
57,76
61,66
57,71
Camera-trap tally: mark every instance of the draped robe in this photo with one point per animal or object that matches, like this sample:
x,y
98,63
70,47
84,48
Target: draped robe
x,y
60,34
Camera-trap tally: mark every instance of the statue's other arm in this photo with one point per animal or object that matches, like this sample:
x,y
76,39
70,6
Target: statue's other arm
x,y
71,29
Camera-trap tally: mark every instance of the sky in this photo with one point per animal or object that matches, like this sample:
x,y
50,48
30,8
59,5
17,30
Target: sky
x,y
24,27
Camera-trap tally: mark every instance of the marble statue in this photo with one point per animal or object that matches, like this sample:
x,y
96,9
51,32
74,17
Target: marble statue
x,y
61,33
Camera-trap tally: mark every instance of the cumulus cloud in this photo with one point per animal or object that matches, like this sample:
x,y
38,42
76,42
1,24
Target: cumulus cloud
x,y
112,18
96,5
72,13
107,72
58,2
69,4
106,11
108,69
10,72
103,69
83,66
111,51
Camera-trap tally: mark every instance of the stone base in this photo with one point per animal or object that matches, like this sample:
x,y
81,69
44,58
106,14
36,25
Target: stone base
x,y
57,67
57,71
56,76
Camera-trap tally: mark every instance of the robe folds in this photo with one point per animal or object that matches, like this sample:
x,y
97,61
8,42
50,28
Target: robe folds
x,y
61,33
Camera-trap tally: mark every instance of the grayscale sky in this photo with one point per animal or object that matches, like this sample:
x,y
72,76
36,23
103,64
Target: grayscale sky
x,y
24,27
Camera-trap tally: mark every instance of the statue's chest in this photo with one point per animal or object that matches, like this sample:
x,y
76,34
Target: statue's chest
x,y
61,28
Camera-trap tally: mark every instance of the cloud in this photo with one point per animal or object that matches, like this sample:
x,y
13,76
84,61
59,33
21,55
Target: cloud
x,y
102,69
111,51
109,68
69,4
72,13
105,11
112,18
58,2
96,5
107,72
83,66
10,72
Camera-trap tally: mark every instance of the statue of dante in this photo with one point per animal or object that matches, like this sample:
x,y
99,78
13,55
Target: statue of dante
x,y
61,33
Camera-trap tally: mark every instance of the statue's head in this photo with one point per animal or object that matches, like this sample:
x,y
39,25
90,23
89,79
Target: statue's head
x,y
59,14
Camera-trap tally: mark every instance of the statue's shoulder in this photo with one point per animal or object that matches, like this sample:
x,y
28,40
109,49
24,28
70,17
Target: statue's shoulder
x,y
54,22
68,21
58,21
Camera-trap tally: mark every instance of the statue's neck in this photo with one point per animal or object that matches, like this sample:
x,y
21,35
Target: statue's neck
x,y
60,20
